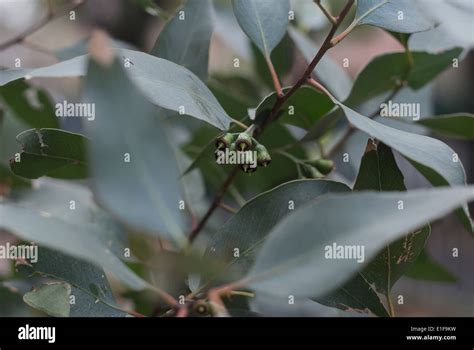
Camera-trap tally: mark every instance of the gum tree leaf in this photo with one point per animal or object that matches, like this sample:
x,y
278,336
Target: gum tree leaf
x,y
282,59
426,269
249,228
401,16
264,21
303,109
355,295
44,216
293,259
52,299
382,75
17,96
164,83
11,180
453,19
379,171
51,152
433,158
460,126
90,288
234,93
328,71
386,71
185,39
132,159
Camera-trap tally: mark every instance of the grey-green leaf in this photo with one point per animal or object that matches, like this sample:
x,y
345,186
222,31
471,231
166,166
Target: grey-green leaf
x,y
44,216
249,228
453,26
52,299
185,39
92,296
264,21
293,259
164,83
433,158
379,171
401,16
133,165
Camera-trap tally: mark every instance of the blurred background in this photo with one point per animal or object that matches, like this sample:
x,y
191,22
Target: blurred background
x,y
137,23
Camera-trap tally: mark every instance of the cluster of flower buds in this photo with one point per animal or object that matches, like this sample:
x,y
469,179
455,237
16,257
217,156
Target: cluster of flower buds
x,y
243,142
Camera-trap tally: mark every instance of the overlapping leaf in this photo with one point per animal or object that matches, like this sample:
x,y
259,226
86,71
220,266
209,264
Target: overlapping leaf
x,y
164,83
292,260
44,216
50,152
133,165
185,39
264,21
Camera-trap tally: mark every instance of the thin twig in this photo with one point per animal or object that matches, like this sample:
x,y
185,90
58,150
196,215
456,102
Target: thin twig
x,y
274,75
51,15
325,11
273,115
227,208
217,198
309,70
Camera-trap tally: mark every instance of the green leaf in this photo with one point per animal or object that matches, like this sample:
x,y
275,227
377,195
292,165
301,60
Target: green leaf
x,y
282,59
11,180
248,229
433,158
379,171
43,215
132,159
426,269
90,289
50,152
164,83
355,295
235,94
29,104
303,109
293,259
264,21
401,16
185,41
459,125
385,72
52,299
330,73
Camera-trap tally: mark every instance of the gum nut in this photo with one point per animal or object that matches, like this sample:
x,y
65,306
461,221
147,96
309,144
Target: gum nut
x,y
324,166
243,142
